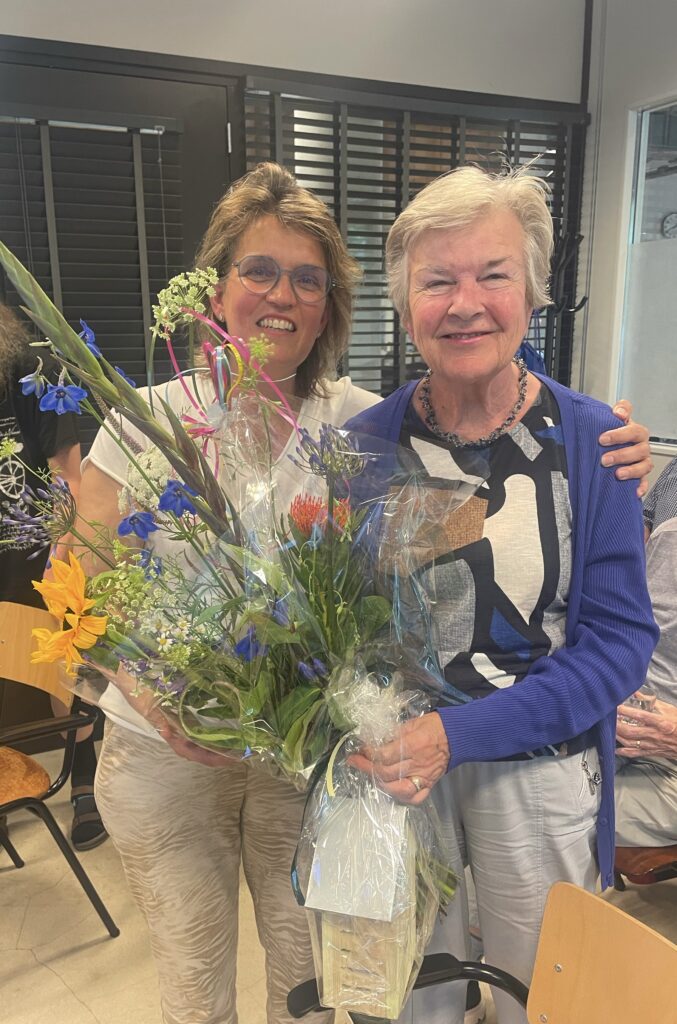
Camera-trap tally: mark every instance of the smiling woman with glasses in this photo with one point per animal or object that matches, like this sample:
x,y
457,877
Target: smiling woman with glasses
x,y
184,820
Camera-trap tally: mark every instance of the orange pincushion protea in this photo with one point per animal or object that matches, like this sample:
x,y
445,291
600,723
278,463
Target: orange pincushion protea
x,y
307,512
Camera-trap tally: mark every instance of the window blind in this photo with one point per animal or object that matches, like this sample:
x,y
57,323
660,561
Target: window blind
x,y
95,213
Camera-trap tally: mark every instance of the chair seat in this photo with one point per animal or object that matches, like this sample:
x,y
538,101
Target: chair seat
x,y
20,776
642,862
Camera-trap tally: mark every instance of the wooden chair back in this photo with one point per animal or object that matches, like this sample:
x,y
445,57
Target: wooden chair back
x,y
17,644
595,963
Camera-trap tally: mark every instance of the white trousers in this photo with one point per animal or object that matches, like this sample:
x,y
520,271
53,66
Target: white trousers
x,y
182,830
520,826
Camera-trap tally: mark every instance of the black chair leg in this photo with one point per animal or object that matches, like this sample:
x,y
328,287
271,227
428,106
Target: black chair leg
x,y
6,842
42,811
436,969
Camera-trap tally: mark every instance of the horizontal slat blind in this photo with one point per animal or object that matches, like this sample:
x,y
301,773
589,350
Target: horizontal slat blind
x,y
23,221
366,163
96,229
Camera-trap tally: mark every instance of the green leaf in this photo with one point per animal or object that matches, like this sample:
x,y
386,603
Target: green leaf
x,y
295,705
268,631
372,613
296,736
254,701
209,614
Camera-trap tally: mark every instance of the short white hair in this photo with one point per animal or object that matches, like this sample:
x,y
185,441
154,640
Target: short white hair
x,y
458,198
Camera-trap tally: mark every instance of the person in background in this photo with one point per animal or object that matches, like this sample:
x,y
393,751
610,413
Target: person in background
x,y
44,442
646,780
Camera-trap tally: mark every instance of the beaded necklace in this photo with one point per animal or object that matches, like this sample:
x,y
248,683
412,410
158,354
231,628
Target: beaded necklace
x,y
447,435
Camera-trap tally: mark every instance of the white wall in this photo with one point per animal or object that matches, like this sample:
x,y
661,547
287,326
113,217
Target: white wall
x,y
530,48
634,66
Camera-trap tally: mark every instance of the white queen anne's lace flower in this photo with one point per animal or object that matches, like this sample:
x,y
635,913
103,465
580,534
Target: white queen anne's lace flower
x,y
145,481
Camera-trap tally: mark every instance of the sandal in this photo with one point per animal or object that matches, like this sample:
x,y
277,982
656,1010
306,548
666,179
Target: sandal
x,y
88,829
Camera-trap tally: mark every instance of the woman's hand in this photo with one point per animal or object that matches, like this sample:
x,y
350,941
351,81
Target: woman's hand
x,y
634,462
409,766
186,748
146,704
655,735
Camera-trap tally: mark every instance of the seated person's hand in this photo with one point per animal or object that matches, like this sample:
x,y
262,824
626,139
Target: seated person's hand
x,y
633,462
654,735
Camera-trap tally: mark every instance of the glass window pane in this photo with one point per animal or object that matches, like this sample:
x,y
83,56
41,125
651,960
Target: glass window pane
x,y
649,334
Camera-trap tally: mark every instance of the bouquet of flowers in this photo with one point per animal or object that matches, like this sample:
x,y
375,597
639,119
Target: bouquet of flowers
x,y
265,624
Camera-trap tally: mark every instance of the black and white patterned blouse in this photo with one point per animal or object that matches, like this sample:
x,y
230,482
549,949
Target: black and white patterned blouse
x,y
499,592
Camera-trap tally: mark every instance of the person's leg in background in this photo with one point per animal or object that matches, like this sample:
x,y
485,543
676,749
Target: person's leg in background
x,y
87,829
176,825
646,803
271,824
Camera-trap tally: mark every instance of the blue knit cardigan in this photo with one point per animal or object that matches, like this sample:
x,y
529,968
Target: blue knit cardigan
x,y
610,630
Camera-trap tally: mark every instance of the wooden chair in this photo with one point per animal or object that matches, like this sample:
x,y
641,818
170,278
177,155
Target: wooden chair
x,y
594,964
24,784
644,865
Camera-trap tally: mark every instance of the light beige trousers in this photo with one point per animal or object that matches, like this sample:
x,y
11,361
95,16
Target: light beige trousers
x,y
182,829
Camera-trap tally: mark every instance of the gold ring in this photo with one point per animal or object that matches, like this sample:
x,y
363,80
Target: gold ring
x,y
416,782
639,743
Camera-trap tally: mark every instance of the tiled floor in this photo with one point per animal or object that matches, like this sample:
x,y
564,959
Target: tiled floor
x,y
58,966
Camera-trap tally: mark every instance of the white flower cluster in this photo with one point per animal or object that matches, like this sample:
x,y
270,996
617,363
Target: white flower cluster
x,y
145,481
189,291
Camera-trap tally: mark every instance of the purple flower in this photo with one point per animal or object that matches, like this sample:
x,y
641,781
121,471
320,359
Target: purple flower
x,y
61,398
334,456
132,383
248,647
279,612
140,523
151,564
175,498
89,339
313,669
33,383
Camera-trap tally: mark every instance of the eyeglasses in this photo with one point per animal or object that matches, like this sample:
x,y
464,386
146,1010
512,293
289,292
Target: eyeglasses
x,y
260,274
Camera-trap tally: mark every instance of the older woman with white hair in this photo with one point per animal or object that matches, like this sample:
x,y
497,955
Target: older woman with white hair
x,y
540,609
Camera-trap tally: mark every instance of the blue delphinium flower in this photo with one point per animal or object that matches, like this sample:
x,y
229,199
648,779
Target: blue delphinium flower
x,y
33,383
140,523
175,498
61,398
248,647
89,338
118,369
150,563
